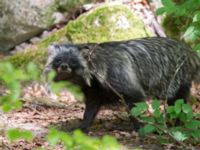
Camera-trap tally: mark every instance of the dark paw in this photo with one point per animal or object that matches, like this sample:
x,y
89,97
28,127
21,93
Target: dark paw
x,y
83,129
136,124
136,127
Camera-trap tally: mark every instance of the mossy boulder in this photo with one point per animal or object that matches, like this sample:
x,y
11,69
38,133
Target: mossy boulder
x,y
105,23
22,20
109,22
37,53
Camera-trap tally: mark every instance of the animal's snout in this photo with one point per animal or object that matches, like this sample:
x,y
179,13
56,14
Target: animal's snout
x,y
64,66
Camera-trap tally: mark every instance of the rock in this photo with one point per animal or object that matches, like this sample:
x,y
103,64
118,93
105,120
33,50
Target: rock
x,y
108,22
21,20
71,5
36,53
105,23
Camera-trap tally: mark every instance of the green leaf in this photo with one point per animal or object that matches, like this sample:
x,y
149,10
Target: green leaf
x,y
191,34
146,129
195,133
50,76
196,17
169,6
160,11
156,104
193,124
179,136
189,31
67,140
156,108
187,108
139,109
178,106
170,109
197,47
20,75
168,3
160,119
75,90
149,128
15,134
53,137
32,71
183,117
7,106
110,143
57,87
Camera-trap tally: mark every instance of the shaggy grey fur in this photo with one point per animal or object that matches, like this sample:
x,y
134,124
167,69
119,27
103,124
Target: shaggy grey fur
x,y
137,69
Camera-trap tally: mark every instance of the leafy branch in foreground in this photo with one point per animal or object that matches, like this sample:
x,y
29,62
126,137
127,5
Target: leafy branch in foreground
x,y
80,141
182,124
13,78
185,16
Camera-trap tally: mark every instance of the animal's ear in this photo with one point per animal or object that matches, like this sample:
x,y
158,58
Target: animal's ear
x,y
53,50
86,48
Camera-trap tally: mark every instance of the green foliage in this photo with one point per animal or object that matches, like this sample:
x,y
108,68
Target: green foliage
x,y
188,125
139,109
185,17
11,78
80,141
15,134
74,89
58,86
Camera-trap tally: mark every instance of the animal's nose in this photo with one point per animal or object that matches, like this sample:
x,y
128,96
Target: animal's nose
x,y
64,66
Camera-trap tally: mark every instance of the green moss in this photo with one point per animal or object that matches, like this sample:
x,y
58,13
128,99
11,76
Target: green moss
x,y
86,29
37,53
106,23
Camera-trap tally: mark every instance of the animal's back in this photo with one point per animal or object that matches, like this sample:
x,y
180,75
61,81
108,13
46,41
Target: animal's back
x,y
160,64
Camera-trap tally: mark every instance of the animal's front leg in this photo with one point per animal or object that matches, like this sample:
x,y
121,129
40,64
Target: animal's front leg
x,y
91,110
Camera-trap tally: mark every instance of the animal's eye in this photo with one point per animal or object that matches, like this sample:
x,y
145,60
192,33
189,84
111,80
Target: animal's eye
x,y
73,62
57,61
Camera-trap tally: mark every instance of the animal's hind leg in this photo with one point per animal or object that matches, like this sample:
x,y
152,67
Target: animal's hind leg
x,y
182,93
136,96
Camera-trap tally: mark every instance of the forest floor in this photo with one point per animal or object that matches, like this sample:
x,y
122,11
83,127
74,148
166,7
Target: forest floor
x,y
111,120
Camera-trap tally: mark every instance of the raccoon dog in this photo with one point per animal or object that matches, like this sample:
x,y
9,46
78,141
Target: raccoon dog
x,y
148,67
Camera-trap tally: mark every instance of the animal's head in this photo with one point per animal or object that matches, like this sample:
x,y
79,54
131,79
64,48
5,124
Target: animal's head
x,y
68,62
